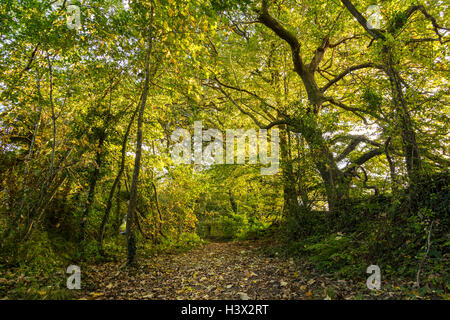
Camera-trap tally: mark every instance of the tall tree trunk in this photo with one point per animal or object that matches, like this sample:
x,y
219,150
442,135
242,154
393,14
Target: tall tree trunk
x,y
158,214
115,183
130,231
119,217
300,178
291,206
335,182
53,114
409,142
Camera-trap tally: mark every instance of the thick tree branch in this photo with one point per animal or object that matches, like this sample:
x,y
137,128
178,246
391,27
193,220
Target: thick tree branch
x,y
411,10
348,71
277,123
355,141
364,158
266,19
374,33
318,55
355,111
314,94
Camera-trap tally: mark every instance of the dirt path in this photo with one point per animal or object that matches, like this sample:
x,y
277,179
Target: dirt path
x,y
234,270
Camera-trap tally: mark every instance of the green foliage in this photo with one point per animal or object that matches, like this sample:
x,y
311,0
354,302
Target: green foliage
x,y
40,270
331,253
188,241
228,5
234,225
237,226
372,99
259,229
382,231
397,22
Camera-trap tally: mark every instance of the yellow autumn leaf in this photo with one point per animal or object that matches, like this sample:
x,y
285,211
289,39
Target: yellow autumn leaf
x,y
96,294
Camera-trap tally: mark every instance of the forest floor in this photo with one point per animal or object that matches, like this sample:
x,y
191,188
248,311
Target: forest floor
x,y
230,270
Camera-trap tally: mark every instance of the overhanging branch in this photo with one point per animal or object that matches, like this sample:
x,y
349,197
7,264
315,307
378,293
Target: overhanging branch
x,y
266,19
374,33
355,141
348,71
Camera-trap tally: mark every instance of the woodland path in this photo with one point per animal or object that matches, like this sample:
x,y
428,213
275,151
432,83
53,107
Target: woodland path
x,y
231,270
